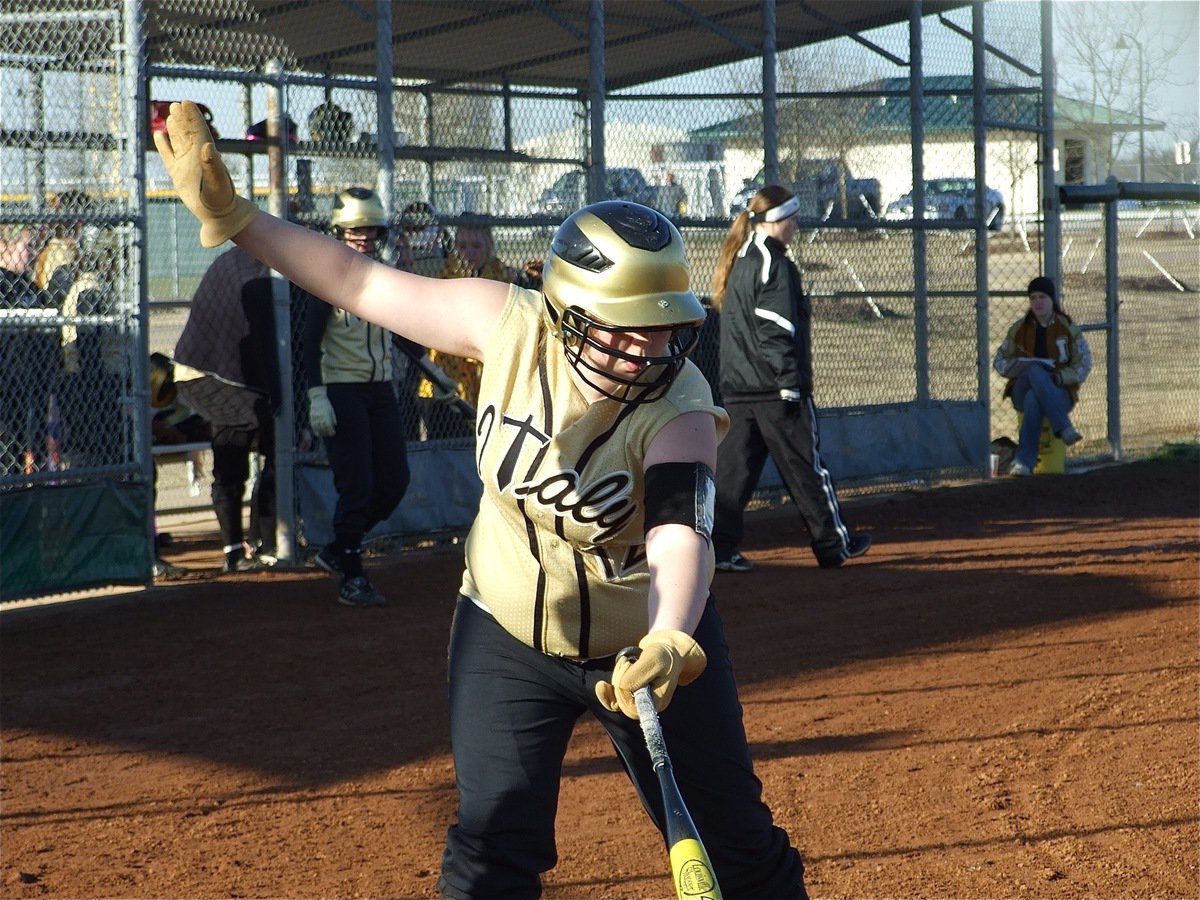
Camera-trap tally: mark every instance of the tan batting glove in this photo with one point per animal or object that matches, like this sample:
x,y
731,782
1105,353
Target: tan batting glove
x,y
668,659
200,176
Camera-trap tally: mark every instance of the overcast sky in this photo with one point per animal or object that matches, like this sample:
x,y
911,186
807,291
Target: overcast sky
x,y
1177,100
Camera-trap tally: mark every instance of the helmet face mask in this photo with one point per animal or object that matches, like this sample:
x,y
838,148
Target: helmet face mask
x,y
655,375
360,208
373,244
618,268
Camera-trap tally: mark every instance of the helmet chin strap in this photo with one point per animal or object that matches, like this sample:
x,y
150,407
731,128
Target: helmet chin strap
x,y
589,381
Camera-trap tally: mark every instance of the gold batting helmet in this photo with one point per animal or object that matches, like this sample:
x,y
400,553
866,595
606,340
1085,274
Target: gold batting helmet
x,y
359,207
621,267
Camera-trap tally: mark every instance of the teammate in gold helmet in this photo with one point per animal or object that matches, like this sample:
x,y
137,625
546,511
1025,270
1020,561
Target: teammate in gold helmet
x,y
352,407
358,219
595,443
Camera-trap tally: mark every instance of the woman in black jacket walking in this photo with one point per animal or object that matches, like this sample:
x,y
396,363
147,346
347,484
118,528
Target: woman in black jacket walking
x,y
766,385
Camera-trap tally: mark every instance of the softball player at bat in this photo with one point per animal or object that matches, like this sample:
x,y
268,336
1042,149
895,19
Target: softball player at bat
x,y
596,440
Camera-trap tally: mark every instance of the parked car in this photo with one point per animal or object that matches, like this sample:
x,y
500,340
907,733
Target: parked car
x,y
952,198
567,193
819,183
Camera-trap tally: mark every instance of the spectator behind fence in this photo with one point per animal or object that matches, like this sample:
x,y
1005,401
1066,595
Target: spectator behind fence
x,y
353,407
60,253
172,422
96,379
1045,358
767,385
227,371
29,355
429,242
673,198
474,256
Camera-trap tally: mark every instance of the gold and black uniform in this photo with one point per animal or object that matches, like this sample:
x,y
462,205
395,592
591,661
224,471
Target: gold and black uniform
x,y
557,551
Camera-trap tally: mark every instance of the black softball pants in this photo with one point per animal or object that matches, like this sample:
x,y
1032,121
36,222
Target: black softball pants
x,y
512,711
788,432
369,458
241,421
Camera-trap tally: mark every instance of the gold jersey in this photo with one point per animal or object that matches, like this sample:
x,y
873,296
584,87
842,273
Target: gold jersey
x,y
354,350
557,552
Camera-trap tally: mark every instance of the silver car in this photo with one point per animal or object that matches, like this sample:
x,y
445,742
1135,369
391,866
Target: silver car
x,y
952,198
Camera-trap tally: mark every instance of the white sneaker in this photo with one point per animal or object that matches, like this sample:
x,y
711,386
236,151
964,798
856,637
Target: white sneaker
x,y
1019,470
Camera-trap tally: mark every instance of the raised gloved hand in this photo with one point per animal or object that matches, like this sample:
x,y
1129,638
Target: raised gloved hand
x,y
668,659
320,412
200,176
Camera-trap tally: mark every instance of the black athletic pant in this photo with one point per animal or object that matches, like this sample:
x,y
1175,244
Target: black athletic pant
x,y
369,458
788,432
512,711
241,421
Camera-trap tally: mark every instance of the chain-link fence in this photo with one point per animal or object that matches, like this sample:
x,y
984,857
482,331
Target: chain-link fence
x,y
1149,394
73,413
915,143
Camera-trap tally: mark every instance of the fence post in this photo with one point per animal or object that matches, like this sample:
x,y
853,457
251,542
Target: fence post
x,y
1112,313
597,92
770,103
1051,208
920,237
286,514
133,164
980,233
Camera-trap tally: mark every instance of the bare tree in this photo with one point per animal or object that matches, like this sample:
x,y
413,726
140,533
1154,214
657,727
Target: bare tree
x,y
828,126
814,121
1014,150
1103,45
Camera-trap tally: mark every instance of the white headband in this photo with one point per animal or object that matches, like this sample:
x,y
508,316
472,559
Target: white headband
x,y
784,210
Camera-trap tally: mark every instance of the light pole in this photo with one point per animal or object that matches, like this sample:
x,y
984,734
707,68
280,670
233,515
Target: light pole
x,y
1122,45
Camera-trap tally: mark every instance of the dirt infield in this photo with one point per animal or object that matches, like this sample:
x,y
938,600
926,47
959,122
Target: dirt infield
x,y
999,700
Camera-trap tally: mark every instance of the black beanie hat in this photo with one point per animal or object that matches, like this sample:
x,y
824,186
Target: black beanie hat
x,y
1043,285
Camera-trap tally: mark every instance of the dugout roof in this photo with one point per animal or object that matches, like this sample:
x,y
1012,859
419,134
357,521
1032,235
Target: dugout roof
x,y
524,42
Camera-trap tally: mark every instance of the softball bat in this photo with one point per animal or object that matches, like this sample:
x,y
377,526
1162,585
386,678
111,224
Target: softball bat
x,y
691,868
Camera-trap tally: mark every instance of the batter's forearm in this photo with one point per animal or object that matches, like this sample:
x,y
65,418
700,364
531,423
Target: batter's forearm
x,y
679,577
